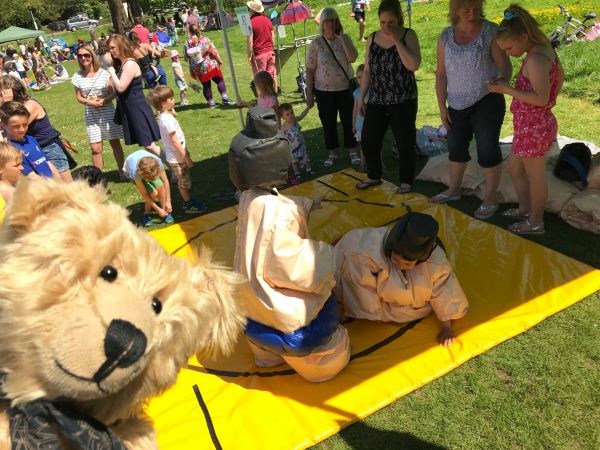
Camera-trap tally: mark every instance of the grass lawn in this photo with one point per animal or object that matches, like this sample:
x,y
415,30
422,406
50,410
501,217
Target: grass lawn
x,y
538,390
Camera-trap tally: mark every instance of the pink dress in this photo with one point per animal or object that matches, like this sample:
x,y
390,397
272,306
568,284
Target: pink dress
x,y
535,127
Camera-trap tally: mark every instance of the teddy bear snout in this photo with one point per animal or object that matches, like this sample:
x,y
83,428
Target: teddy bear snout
x,y
124,345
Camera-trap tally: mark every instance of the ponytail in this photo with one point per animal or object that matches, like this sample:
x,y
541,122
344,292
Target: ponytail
x,y
516,22
393,7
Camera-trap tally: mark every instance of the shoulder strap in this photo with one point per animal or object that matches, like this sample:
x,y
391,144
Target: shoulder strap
x,y
334,57
404,37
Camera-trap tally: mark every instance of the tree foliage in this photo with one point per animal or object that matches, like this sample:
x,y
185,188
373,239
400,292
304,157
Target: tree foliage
x,y
18,12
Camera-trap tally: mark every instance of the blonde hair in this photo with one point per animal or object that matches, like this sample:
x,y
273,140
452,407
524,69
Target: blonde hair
x,y
159,95
517,21
456,5
329,14
264,83
9,153
148,168
95,62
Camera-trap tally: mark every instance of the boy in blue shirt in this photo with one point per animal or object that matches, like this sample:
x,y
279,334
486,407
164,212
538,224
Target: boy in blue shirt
x,y
15,118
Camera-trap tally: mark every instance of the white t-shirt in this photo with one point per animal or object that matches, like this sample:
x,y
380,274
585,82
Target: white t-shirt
x,y
177,65
168,124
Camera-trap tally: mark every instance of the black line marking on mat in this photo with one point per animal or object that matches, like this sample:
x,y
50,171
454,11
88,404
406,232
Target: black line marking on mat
x,y
364,202
196,236
332,187
351,176
232,374
207,418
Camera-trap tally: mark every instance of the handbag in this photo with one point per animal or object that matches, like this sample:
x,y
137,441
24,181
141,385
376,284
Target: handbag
x,y
352,82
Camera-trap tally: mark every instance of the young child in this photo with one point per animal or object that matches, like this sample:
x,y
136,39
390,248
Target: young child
x,y
535,128
60,73
292,316
266,96
179,78
399,275
148,172
175,152
359,8
357,121
15,118
293,131
11,167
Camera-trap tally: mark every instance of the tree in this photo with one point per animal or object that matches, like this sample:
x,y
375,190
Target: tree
x,y
120,22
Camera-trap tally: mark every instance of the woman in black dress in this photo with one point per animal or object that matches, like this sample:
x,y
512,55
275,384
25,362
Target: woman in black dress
x,y
392,56
133,111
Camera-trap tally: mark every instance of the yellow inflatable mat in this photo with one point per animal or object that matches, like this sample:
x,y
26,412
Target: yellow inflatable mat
x,y
512,284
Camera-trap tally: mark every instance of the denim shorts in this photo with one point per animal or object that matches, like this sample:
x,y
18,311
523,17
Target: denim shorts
x,y
56,155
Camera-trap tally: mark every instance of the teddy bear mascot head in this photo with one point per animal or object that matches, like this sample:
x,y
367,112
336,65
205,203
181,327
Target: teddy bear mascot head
x,y
96,318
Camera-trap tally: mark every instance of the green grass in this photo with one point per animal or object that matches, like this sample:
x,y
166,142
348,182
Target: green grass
x,y
538,390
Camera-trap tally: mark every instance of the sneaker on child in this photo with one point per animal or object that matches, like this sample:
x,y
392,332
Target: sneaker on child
x,y
193,207
228,101
294,180
168,219
147,220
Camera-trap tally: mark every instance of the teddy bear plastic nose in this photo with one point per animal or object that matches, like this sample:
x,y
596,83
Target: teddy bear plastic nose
x,y
124,344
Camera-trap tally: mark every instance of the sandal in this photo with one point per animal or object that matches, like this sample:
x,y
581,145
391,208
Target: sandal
x,y
514,213
329,161
354,159
525,228
364,184
484,212
442,198
404,188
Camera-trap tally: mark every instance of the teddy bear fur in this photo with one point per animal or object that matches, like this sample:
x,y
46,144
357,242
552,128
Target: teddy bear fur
x,y
56,308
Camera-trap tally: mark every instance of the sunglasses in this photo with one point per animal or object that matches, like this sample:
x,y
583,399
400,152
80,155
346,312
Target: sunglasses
x,y
84,56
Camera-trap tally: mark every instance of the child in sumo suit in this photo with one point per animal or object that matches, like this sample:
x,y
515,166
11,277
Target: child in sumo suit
x,y
399,275
292,314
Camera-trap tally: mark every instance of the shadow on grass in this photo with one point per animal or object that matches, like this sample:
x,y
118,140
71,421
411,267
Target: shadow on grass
x,y
361,436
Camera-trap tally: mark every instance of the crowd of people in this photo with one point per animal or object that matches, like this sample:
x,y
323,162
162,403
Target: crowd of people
x,y
399,274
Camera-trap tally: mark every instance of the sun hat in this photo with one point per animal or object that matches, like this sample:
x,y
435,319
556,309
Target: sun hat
x,y
174,53
255,5
413,237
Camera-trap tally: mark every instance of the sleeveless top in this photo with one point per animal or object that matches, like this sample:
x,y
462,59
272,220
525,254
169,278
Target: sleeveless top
x,y
42,131
523,84
468,66
144,62
391,82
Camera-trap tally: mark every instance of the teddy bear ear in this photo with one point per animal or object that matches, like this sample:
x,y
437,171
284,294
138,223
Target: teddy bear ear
x,y
36,199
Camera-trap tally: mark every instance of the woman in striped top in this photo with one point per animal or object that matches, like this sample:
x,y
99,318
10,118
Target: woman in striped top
x,y
93,89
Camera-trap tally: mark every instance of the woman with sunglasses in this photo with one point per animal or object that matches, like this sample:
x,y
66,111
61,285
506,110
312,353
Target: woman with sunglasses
x,y
399,275
94,89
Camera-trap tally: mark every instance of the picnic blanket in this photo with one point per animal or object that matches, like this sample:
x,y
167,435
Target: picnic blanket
x,y
511,283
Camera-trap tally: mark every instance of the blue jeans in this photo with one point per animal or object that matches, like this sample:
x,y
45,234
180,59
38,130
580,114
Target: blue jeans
x,y
56,155
151,79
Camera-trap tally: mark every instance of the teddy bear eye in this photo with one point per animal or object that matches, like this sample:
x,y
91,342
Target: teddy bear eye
x,y
156,305
109,273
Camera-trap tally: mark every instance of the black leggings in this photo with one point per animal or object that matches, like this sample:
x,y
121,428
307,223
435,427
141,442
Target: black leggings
x,y
401,118
329,103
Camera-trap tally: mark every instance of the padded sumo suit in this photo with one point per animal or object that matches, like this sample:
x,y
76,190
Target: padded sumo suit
x,y
373,288
292,315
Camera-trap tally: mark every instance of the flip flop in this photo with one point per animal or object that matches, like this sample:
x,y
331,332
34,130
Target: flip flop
x,y
484,212
442,198
364,184
525,228
404,188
